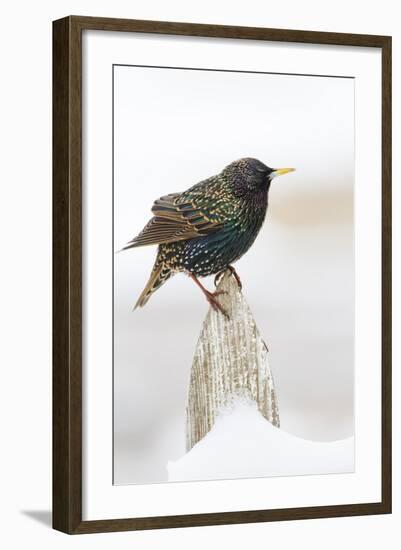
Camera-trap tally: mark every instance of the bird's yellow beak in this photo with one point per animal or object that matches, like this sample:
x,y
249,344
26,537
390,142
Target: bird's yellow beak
x,y
281,171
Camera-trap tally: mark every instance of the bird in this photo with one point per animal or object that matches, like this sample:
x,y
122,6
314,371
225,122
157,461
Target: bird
x,y
205,229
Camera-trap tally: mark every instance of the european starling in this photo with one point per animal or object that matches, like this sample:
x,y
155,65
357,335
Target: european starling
x,y
203,230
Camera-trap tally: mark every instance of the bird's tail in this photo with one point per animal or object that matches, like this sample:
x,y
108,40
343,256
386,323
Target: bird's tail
x,y
159,276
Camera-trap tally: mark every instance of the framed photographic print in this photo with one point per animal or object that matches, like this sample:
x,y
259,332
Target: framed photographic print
x,y
222,274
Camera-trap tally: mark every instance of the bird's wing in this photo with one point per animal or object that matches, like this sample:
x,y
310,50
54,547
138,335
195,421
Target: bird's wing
x,y
175,219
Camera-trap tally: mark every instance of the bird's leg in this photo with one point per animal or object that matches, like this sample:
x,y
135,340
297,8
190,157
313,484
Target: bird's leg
x,y
211,296
233,272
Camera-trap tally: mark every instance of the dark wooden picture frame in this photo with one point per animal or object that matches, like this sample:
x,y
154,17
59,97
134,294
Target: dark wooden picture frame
x,y
67,274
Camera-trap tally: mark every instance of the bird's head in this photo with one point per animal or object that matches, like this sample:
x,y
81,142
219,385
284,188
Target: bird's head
x,y
249,175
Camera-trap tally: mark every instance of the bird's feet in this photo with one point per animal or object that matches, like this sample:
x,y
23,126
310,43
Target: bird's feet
x,y
233,272
211,297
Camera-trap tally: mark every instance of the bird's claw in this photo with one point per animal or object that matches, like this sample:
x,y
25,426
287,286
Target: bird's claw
x,y
233,272
219,292
211,298
218,277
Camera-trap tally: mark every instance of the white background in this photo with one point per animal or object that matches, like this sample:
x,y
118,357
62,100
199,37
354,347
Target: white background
x,y
174,128
26,306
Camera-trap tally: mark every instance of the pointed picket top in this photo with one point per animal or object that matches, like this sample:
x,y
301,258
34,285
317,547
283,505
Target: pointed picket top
x,y
230,361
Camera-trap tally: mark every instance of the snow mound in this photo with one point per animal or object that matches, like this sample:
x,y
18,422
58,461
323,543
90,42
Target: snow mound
x,y
242,443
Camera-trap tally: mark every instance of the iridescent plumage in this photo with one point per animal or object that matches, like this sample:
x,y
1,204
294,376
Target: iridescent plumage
x,y
205,229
